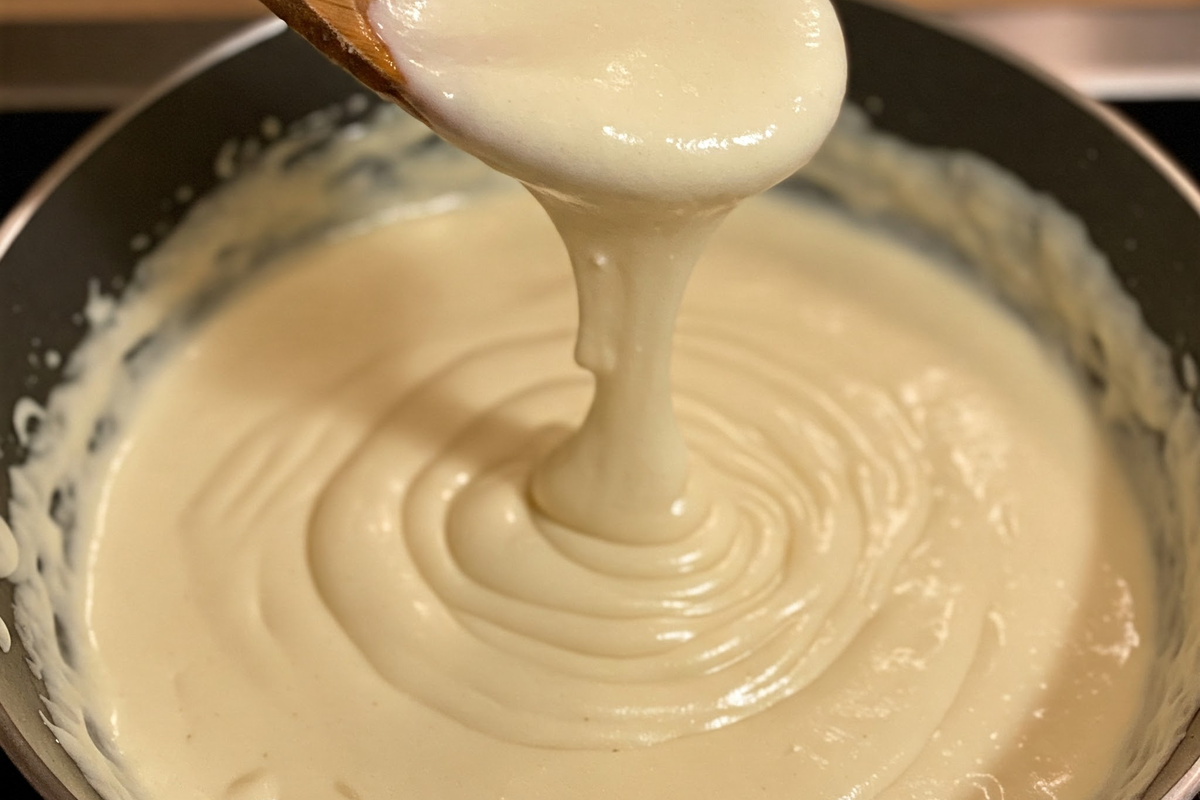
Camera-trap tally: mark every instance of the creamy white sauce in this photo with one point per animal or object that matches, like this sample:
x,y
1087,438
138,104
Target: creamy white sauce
x,y
879,437
684,104
637,126
293,628
377,553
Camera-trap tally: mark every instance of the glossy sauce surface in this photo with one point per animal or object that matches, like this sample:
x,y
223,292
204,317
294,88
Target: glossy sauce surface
x,y
851,532
637,126
340,582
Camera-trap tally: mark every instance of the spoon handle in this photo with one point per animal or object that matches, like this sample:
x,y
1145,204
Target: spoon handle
x,y
341,30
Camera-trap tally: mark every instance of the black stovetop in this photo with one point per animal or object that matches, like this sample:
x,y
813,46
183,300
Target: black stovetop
x,y
30,143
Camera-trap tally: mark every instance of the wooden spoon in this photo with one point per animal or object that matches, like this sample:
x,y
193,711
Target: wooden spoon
x,y
340,29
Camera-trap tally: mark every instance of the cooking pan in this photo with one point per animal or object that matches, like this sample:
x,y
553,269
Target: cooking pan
x,y
117,192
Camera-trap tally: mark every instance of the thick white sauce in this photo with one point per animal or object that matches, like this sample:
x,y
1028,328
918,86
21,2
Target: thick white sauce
x,y
682,103
379,555
236,664
340,582
637,126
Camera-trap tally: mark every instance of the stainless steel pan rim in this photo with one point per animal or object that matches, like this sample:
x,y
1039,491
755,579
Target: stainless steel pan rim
x,y
15,221
1133,135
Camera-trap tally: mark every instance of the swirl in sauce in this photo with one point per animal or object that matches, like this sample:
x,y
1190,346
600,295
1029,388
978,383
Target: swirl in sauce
x,y
884,600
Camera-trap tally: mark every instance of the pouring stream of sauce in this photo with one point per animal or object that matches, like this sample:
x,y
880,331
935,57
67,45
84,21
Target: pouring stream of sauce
x,y
637,126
